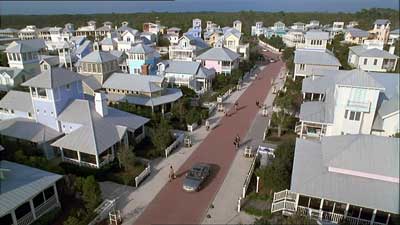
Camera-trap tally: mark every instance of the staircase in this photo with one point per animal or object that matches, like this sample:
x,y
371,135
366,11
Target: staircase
x,y
285,202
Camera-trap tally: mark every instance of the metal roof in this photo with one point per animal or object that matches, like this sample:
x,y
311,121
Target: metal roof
x,y
22,183
53,77
361,153
381,22
141,83
315,57
316,35
98,57
220,54
12,71
17,100
169,95
96,133
23,46
372,52
355,32
27,129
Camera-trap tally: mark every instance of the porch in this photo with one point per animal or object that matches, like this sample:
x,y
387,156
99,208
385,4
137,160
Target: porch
x,y
310,130
33,208
289,202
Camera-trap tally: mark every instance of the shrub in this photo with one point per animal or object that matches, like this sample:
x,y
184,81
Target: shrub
x,y
49,217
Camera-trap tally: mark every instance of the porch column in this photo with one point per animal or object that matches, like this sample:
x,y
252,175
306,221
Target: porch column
x,y
346,210
79,157
309,202
14,217
320,97
301,132
304,95
62,154
320,208
334,205
162,109
312,96
56,194
388,218
359,215
32,209
297,201
97,161
373,217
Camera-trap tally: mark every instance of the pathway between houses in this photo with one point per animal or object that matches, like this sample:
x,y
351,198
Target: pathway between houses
x,y
132,201
174,206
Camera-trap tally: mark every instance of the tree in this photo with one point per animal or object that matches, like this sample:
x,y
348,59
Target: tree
x,y
340,50
91,193
276,175
161,136
3,59
72,220
126,158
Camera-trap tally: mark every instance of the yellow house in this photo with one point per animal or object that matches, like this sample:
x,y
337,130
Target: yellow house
x,y
214,37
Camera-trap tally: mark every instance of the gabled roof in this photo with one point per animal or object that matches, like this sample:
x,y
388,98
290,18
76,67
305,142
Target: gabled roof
x,y
98,57
17,100
27,129
129,30
381,22
169,95
108,41
83,46
198,42
50,59
96,133
141,48
355,32
182,67
372,52
316,35
52,78
360,153
220,54
141,83
11,71
231,31
312,57
23,46
22,183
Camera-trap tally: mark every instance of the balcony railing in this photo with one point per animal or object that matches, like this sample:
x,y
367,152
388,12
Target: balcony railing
x,y
25,220
46,206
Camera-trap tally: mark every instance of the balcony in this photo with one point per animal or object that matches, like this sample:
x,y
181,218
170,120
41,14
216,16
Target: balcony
x,y
310,130
25,220
46,206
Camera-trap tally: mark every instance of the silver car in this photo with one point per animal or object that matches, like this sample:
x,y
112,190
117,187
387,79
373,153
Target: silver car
x,y
196,177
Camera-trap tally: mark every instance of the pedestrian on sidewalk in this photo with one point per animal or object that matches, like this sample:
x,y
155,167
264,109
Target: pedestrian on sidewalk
x,y
207,125
255,76
258,104
171,173
237,141
236,105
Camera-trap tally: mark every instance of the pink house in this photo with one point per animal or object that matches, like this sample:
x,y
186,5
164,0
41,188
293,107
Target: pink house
x,y
223,60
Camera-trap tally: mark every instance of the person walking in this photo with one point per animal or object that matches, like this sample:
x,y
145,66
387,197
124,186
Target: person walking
x,y
171,173
258,104
237,141
236,106
207,125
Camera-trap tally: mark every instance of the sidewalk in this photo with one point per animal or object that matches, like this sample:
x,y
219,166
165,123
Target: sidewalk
x,y
225,202
132,201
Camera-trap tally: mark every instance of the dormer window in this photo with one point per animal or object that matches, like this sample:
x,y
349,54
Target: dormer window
x,y
41,92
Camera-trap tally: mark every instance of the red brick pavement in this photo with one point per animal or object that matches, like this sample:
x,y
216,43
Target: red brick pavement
x,y
174,206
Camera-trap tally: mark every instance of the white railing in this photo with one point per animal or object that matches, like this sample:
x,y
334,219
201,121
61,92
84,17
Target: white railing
x,y
283,206
25,220
174,145
222,98
142,175
103,210
45,206
334,217
285,195
249,175
79,163
302,210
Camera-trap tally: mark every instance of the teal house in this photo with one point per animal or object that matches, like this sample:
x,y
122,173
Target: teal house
x,y
142,59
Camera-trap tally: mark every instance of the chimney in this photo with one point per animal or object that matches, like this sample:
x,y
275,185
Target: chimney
x,y
145,69
100,103
391,49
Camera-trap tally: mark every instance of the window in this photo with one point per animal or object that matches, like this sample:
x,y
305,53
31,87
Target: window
x,y
68,87
375,62
49,192
41,92
29,115
356,116
38,200
302,66
365,61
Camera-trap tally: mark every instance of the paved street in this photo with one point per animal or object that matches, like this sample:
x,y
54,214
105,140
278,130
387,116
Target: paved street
x,y
172,204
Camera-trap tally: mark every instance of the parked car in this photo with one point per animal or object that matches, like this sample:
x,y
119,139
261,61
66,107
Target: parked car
x,y
196,177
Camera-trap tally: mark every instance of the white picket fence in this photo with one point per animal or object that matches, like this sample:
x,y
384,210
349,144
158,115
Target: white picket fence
x,y
175,144
142,175
222,98
249,175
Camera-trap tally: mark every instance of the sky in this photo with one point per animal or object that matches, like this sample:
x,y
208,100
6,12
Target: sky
x,y
131,6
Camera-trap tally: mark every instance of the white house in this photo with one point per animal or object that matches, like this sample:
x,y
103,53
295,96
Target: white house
x,y
187,73
394,36
258,29
312,55
349,179
29,32
12,77
381,30
187,49
349,102
293,37
372,59
355,36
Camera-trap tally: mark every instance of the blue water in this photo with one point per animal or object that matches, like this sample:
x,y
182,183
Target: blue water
x,y
87,7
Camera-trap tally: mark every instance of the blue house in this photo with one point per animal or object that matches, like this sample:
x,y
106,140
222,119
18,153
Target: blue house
x,y
195,31
142,59
54,113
